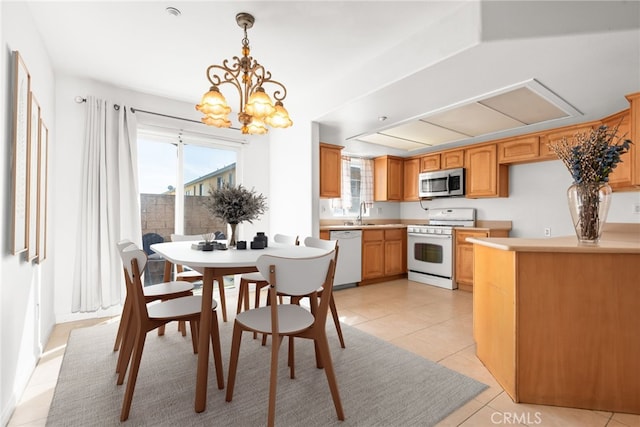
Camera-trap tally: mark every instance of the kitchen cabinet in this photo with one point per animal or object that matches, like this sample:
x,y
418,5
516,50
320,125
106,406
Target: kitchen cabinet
x,y
556,135
622,176
430,163
384,254
452,159
484,176
410,186
388,178
325,235
464,254
519,150
330,170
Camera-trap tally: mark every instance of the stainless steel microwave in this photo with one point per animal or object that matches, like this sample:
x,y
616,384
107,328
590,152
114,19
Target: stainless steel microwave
x,y
442,183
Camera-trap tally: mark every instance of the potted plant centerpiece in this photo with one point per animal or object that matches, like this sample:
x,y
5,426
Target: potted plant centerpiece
x,y
235,205
590,158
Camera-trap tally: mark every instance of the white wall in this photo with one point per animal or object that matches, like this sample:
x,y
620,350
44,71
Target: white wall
x,y
537,200
26,291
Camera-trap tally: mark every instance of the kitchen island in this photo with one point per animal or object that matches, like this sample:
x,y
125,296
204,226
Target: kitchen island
x,y
557,323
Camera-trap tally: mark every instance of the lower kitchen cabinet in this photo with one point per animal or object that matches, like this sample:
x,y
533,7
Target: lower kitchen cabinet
x,y
384,254
464,254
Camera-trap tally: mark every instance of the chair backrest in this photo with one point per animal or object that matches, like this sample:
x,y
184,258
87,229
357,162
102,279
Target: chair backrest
x,y
134,261
296,276
122,244
286,240
314,242
148,240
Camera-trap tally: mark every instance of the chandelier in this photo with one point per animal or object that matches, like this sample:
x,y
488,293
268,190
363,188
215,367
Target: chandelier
x,y
257,110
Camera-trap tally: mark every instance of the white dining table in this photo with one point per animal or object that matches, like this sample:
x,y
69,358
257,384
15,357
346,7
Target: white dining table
x,y
216,264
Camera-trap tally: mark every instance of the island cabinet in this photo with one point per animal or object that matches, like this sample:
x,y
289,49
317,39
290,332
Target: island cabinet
x,y
384,254
464,254
388,178
330,170
410,187
559,327
484,176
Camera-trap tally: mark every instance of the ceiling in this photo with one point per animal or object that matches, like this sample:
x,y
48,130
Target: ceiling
x,y
435,66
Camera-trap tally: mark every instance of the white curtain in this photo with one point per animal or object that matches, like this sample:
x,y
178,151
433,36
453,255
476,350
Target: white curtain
x,y
109,207
345,196
366,181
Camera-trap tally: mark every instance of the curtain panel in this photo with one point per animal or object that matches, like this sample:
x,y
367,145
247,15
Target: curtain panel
x,y
109,205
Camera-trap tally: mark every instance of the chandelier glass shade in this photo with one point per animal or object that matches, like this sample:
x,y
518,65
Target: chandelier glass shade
x,y
257,110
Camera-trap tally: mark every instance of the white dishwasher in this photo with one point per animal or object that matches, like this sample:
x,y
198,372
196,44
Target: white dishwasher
x,y
349,268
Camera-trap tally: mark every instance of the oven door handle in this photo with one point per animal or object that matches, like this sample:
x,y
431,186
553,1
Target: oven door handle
x,y
435,236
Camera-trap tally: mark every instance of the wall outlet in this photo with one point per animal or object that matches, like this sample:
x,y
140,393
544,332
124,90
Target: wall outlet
x,y
547,232
379,211
636,208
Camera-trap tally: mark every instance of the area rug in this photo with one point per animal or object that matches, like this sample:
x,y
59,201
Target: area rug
x,y
380,384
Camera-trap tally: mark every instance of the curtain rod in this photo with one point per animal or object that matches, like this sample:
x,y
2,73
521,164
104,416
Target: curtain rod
x,y
116,107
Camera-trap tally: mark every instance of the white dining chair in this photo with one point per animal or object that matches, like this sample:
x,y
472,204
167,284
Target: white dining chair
x,y
296,277
146,318
157,292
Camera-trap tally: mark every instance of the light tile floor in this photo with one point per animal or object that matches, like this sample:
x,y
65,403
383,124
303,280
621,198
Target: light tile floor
x,y
431,322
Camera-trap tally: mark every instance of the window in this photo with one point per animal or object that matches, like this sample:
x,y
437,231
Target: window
x,y
175,173
355,187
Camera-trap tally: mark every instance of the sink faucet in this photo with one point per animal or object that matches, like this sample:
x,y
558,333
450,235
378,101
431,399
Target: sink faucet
x,y
361,210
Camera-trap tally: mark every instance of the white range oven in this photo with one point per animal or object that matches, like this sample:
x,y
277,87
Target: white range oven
x,y
430,249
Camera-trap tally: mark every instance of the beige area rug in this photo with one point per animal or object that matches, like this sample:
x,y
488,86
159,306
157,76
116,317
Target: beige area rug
x,y
380,384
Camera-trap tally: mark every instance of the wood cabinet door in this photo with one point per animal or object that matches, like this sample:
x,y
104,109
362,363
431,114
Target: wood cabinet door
x,y
410,187
519,150
452,159
388,178
330,171
372,259
622,175
395,179
464,256
484,177
430,163
393,260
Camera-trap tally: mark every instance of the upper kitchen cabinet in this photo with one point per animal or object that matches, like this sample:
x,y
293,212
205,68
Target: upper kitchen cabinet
x,y
330,170
410,187
556,135
388,178
442,160
626,176
452,159
622,175
519,150
484,176
430,162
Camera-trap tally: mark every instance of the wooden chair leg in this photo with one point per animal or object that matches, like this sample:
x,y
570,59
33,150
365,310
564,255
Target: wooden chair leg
x,y
323,346
122,328
133,374
217,352
243,296
126,348
223,300
273,380
193,325
233,360
336,320
182,328
291,359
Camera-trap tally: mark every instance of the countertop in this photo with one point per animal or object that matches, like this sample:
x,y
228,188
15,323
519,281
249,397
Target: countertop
x,y
625,240
361,227
481,225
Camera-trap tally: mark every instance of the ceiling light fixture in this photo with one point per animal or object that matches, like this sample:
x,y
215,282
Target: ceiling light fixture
x,y
257,110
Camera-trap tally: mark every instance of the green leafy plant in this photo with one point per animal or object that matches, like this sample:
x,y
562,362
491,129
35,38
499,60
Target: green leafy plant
x,y
235,204
592,156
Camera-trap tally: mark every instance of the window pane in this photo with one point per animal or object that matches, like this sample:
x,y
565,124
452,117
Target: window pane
x,y
204,168
157,171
